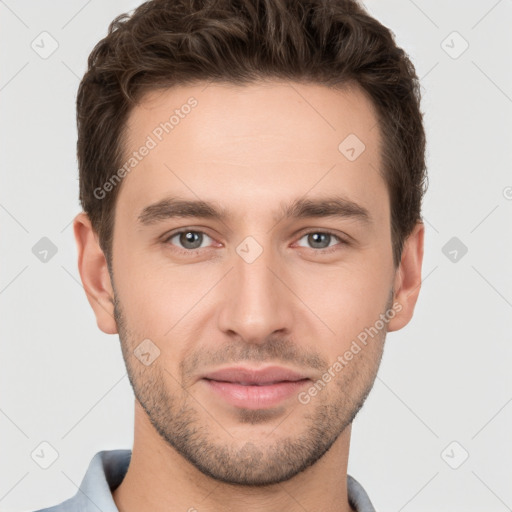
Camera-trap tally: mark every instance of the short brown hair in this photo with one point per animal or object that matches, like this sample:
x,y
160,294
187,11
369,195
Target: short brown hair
x,y
165,43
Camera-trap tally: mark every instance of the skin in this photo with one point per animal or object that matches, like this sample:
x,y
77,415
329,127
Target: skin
x,y
248,149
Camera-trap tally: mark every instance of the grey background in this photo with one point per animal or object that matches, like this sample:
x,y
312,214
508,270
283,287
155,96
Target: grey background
x,y
444,378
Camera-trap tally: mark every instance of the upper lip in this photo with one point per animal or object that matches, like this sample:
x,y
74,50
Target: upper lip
x,y
255,376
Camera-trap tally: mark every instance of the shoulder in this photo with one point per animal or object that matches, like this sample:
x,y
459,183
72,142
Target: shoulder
x,y
105,472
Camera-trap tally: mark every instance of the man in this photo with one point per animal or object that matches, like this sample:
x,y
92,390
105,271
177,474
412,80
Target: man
x,y
251,175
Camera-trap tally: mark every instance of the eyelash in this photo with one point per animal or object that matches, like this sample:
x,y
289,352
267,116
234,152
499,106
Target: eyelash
x,y
326,250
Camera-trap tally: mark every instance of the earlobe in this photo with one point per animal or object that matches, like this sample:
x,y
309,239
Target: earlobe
x,y
93,269
408,278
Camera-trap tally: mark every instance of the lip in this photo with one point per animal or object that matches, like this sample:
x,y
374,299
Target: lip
x,y
255,376
255,388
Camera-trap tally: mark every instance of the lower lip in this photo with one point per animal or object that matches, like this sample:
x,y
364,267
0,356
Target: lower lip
x,y
256,397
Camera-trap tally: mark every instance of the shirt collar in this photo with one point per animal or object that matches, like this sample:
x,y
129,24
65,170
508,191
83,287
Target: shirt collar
x,y
108,468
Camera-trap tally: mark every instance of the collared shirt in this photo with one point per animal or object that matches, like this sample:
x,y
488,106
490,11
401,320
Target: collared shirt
x,y
108,468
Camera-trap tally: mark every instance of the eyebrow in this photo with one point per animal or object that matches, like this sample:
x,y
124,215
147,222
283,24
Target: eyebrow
x,y
302,208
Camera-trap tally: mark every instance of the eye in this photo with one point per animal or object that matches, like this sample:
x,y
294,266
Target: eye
x,y
188,239
322,240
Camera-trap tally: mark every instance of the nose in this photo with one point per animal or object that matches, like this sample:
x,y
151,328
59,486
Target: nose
x,y
255,299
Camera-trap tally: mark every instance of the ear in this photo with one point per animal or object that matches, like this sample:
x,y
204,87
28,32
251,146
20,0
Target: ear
x,y
408,278
93,269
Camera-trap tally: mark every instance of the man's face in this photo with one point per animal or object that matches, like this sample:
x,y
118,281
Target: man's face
x,y
250,310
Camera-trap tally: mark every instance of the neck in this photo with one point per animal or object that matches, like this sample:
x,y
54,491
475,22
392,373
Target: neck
x,y
159,479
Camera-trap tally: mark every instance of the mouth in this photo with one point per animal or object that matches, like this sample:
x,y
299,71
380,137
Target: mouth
x,y
255,388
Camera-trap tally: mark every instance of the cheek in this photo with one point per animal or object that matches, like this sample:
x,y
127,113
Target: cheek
x,y
141,294
163,302
346,299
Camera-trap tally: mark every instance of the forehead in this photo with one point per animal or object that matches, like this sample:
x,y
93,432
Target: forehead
x,y
223,112
268,140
